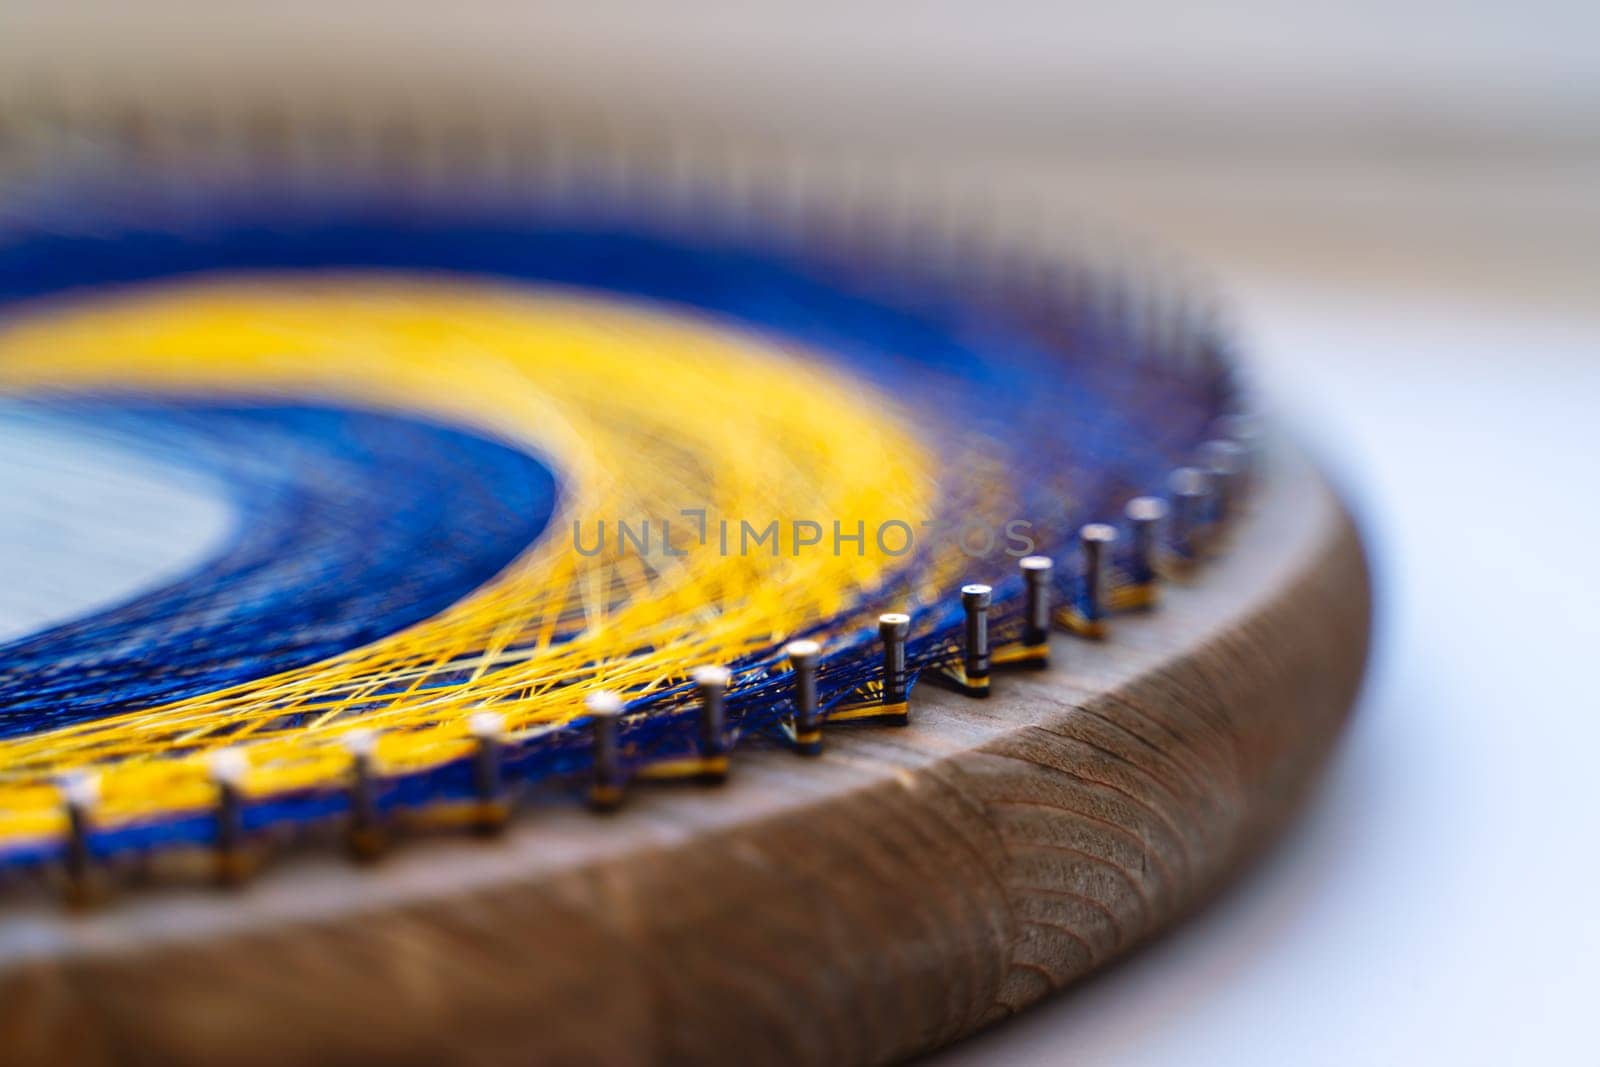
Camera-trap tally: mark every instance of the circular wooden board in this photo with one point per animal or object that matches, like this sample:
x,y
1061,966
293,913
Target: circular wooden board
x,y
907,887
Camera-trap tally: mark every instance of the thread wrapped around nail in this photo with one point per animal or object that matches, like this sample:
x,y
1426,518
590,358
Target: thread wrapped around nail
x,y
806,722
1226,462
80,793
1191,504
364,826
975,601
1037,575
1146,515
487,729
425,520
1094,591
605,714
228,769
893,630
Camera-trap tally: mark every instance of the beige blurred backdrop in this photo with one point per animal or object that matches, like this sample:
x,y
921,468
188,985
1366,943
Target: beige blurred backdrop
x,y
1136,76
1403,202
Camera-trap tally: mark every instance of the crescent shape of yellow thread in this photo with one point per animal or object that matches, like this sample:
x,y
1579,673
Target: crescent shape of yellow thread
x,y
642,413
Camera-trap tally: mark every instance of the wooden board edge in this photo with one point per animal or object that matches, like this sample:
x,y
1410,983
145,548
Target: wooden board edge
x,y
899,905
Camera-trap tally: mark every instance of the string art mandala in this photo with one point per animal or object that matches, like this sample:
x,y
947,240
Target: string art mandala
x,y
374,506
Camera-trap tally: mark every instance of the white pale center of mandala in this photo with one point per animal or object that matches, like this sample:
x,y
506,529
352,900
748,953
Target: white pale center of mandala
x,y
85,524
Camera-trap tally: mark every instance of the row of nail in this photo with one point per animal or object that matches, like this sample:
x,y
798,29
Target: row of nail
x,y
1118,569
587,167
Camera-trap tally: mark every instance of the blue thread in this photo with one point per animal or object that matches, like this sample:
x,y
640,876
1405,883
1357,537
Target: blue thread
x,y
351,525
1018,363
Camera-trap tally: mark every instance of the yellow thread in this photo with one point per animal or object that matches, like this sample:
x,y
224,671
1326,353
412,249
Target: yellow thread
x,y
1132,597
869,712
1007,655
685,767
641,412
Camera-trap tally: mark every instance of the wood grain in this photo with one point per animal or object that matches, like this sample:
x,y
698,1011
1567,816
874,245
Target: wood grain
x,y
906,888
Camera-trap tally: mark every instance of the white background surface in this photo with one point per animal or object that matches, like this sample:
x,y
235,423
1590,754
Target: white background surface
x,y
1436,335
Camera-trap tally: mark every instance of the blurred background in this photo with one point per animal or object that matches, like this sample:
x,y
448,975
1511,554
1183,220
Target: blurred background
x,y
1402,201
